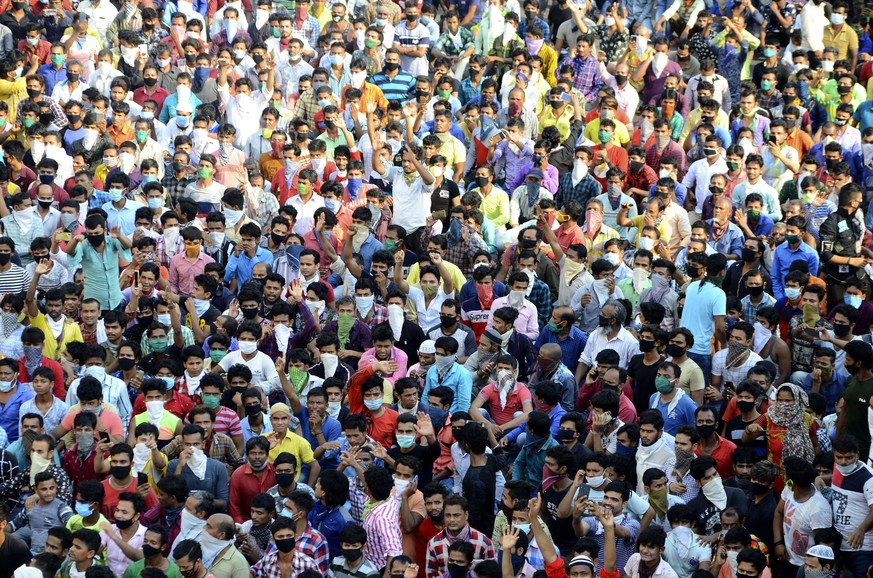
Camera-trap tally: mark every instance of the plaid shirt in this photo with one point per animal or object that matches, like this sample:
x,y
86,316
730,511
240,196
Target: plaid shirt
x,y
541,297
467,91
750,310
357,498
267,208
310,29
584,191
460,252
187,339
380,315
161,254
175,187
268,343
438,550
222,449
769,102
447,46
586,76
311,544
268,567
59,117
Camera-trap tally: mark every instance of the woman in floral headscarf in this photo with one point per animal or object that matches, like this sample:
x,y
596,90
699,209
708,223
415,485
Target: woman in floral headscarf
x,y
790,430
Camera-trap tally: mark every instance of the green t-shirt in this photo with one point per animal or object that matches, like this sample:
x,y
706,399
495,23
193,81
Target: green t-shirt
x,y
134,570
76,522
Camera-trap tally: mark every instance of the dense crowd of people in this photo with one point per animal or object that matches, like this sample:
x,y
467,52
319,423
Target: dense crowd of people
x,y
471,289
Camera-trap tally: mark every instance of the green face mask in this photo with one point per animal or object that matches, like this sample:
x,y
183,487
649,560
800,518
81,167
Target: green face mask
x,y
210,400
554,327
717,281
28,122
276,33
216,355
391,245
752,214
766,85
733,165
663,385
142,135
371,44
58,59
807,198
159,345
203,173
604,136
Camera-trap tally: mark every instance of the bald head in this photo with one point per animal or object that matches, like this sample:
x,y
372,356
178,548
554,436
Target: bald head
x,y
220,526
551,351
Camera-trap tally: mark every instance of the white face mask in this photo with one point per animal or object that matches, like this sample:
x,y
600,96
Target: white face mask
x,y
247,347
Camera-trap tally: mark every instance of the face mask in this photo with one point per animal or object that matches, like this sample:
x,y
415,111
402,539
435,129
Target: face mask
x,y
97,372
373,404
595,481
119,472
792,293
6,386
663,385
837,19
706,431
164,318
84,509
159,345
853,300
745,406
247,347
286,545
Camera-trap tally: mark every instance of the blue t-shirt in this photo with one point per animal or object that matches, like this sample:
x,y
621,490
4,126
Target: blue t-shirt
x,y
703,302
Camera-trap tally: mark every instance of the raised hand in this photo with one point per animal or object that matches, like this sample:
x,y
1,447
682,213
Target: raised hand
x,y
425,425
509,538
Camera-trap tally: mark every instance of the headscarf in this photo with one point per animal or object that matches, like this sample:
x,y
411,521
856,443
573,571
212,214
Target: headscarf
x,y
792,418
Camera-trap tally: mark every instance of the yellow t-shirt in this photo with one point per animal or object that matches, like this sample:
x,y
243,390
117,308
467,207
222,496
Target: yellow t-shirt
x,y
297,447
663,227
53,349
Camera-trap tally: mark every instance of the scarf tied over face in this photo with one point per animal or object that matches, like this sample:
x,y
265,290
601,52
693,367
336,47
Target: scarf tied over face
x,y
791,418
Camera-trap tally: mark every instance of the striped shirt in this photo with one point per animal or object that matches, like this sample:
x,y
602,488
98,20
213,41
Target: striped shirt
x,y
383,532
418,36
399,88
339,569
227,422
15,280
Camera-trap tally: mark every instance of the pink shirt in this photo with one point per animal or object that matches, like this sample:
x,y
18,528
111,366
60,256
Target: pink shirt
x,y
369,358
183,271
514,402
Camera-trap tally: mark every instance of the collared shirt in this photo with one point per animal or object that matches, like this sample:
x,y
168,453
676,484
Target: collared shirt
x,y
52,418
583,191
268,566
383,531
241,266
294,445
438,550
183,272
783,256
9,412
624,343
399,88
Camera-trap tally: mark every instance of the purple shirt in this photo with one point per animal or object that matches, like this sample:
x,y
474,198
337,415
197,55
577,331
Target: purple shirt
x,y
655,86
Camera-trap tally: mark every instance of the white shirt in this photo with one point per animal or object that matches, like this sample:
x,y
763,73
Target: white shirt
x,y
262,367
101,15
625,344
699,174
411,202
775,172
102,83
850,140
246,117
62,93
628,98
721,91
812,23
305,212
291,73
428,317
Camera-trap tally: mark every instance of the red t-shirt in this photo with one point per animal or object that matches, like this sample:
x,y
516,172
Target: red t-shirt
x,y
111,499
514,402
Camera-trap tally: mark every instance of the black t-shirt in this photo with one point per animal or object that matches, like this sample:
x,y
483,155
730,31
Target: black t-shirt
x,y
14,553
442,197
759,520
644,380
707,517
424,454
734,432
149,363
561,529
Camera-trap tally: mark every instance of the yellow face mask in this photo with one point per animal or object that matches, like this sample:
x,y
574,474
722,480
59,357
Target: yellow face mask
x,y
561,217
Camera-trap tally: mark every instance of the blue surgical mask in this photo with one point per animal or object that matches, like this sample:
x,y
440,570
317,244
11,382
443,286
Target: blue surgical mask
x,y
155,203
6,386
853,300
84,509
522,527
373,404
405,441
792,293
